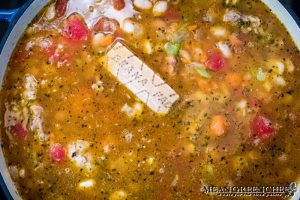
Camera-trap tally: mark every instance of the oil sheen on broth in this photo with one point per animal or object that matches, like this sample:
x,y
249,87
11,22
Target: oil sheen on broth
x,y
71,130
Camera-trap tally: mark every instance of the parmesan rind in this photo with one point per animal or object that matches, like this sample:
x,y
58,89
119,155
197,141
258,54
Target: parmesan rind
x,y
140,79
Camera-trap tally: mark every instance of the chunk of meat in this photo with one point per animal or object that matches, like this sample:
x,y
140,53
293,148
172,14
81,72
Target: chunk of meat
x,y
215,62
172,13
106,25
19,131
232,16
119,4
61,7
30,87
261,127
237,18
77,153
58,153
13,114
75,28
36,122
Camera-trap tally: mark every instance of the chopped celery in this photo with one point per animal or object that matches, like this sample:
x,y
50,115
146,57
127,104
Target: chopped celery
x,y
202,72
172,48
180,34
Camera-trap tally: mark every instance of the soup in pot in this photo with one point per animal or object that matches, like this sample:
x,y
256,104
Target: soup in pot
x,y
148,99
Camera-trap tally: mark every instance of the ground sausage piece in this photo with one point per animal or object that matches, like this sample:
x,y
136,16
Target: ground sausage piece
x,y
119,4
60,7
19,131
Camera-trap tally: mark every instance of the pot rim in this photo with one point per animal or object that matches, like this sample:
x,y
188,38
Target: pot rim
x,y
31,8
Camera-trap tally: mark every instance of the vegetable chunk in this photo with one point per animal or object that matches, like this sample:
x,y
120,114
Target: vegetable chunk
x,y
58,153
218,125
262,127
75,28
215,62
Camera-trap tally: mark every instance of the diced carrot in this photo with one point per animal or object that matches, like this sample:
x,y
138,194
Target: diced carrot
x,y
264,96
192,27
234,79
119,4
203,84
235,40
218,125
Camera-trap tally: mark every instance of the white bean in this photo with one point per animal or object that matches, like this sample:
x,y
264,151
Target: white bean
x,y
50,13
279,80
142,4
219,31
97,39
290,65
160,8
118,195
128,26
277,65
224,48
86,184
132,27
147,47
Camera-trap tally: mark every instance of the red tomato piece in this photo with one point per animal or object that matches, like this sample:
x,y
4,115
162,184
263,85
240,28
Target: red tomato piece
x,y
75,28
19,131
58,153
60,7
215,62
261,127
106,25
119,4
172,13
